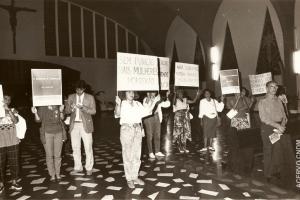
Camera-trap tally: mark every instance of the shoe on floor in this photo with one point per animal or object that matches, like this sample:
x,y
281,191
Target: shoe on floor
x,y
58,177
151,156
187,151
211,149
89,172
160,154
138,182
130,184
52,178
16,187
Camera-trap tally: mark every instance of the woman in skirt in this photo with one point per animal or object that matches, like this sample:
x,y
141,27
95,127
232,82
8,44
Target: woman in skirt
x,y
208,114
182,124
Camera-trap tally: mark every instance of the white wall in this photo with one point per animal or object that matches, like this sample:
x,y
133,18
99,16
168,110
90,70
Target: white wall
x,y
99,73
185,38
246,21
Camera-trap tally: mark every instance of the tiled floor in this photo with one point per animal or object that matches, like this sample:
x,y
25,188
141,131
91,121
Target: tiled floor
x,y
178,176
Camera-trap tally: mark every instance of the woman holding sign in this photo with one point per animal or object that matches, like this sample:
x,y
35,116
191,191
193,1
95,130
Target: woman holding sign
x,y
182,124
131,113
208,113
52,135
242,104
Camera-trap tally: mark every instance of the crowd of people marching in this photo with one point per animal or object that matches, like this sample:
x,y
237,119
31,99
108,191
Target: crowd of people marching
x,y
137,120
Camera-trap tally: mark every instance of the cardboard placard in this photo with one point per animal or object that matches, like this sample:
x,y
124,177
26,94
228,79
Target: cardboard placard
x,y
258,82
186,75
46,87
2,110
137,72
230,82
164,64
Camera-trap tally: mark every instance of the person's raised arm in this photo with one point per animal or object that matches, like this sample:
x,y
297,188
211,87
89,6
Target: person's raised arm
x,y
195,99
117,111
36,114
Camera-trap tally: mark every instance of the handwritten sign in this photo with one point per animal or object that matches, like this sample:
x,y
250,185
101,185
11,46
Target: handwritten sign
x,y
186,75
230,83
137,72
164,64
2,110
258,82
46,87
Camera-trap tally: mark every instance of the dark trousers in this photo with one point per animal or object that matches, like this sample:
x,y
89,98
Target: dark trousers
x,y
272,152
11,155
152,128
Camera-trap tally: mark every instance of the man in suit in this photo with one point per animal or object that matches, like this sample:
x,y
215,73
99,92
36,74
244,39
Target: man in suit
x,y
81,106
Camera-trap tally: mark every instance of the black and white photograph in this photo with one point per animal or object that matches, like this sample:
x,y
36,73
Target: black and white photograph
x,y
149,99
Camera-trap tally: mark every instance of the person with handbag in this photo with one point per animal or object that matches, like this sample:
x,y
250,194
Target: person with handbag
x,y
131,113
9,145
182,124
52,135
209,118
241,104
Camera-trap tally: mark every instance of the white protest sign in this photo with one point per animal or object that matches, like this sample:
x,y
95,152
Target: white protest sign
x,y
258,82
164,64
230,82
46,87
137,72
2,110
186,75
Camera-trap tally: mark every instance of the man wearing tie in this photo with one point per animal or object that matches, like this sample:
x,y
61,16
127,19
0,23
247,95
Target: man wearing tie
x,y
81,106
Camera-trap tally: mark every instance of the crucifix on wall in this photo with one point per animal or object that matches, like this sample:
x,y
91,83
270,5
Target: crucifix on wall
x,y
12,11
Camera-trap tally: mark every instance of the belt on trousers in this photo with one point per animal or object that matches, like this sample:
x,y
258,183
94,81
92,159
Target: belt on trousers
x,y
135,125
77,121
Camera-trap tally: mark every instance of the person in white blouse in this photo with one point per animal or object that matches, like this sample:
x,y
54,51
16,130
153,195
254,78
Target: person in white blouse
x,y
131,113
153,104
182,125
208,112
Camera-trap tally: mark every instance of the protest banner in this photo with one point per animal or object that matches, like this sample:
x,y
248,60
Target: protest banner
x,y
164,64
2,110
137,72
230,82
46,87
186,75
258,82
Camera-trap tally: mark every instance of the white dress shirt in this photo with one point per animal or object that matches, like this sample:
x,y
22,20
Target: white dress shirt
x,y
149,106
79,101
132,113
210,108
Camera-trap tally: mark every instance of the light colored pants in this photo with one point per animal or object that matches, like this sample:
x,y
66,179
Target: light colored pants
x,y
53,148
131,140
77,133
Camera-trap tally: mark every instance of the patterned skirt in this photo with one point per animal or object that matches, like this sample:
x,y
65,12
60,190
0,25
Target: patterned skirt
x,y
182,126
